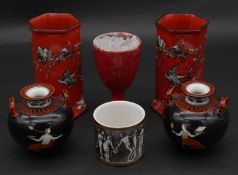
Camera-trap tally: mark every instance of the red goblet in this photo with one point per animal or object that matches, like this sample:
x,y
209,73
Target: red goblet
x,y
117,58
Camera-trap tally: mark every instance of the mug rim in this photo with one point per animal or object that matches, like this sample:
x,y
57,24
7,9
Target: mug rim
x,y
119,128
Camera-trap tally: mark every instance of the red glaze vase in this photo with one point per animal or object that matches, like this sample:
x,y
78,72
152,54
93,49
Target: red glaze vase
x,y
117,68
56,55
180,53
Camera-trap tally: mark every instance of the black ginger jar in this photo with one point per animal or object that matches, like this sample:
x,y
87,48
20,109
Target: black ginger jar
x,y
195,119
40,121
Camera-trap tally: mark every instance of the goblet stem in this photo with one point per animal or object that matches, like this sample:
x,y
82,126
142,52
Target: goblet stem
x,y
118,96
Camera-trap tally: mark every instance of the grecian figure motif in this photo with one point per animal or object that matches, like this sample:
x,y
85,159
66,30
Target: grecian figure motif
x,y
128,145
119,132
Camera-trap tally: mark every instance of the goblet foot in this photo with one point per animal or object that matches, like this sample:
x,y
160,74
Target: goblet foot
x,y
118,96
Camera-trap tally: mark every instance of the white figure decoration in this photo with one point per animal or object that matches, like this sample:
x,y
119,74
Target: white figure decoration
x,y
131,142
100,140
141,140
129,146
187,137
108,147
45,141
135,140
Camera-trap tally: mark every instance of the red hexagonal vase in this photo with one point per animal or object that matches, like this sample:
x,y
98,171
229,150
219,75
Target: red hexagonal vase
x,y
56,55
180,53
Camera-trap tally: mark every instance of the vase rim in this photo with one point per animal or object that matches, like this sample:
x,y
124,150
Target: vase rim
x,y
117,34
198,88
36,28
197,30
37,91
111,115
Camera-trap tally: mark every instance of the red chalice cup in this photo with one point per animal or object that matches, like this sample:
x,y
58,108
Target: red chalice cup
x,y
117,58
